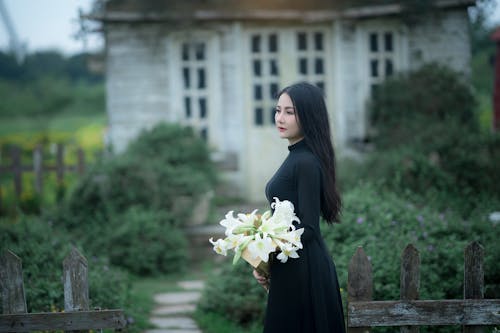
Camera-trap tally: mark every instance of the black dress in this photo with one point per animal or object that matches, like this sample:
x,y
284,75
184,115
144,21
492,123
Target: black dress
x,y
304,294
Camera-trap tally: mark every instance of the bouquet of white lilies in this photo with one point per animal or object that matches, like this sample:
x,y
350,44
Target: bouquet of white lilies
x,y
254,237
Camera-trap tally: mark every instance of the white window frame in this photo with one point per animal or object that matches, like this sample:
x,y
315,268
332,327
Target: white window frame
x,y
287,59
267,79
211,92
311,55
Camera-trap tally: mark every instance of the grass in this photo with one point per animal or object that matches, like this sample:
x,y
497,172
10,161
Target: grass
x,y
215,323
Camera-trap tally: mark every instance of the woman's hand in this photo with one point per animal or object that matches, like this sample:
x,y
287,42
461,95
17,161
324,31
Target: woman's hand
x,y
263,281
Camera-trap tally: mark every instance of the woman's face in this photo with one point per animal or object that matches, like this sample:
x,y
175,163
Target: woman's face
x,y
286,120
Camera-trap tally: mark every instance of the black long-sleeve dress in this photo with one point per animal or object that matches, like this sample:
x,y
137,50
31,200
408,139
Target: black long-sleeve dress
x,y
304,294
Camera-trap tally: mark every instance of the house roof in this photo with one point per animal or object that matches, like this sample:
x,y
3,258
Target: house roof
x,y
208,10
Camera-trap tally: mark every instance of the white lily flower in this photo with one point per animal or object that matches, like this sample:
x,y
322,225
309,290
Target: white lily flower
x,y
288,251
235,240
220,246
230,223
261,247
248,220
293,237
267,225
284,212
256,236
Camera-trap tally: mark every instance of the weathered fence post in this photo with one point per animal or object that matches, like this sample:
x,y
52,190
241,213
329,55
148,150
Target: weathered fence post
x,y
81,161
410,280
473,278
76,286
60,163
11,283
359,283
38,168
17,170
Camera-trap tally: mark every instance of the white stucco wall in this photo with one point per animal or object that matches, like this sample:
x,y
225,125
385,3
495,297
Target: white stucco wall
x,y
442,38
135,88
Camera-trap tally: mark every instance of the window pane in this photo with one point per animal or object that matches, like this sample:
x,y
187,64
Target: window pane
x,y
388,41
389,68
203,108
373,42
303,66
272,114
255,43
318,65
257,92
187,107
318,41
273,43
302,41
374,68
185,74
273,90
200,51
257,69
274,67
259,117
185,51
201,78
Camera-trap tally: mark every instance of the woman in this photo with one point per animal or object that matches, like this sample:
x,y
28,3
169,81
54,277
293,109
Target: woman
x,y
304,293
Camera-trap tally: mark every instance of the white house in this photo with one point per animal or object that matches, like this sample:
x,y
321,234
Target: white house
x,y
216,65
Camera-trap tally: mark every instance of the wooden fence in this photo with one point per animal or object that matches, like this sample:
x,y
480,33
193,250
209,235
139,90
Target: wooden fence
x,y
471,313
38,168
76,315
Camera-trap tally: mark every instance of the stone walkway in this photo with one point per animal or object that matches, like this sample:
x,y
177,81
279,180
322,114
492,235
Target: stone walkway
x,y
173,310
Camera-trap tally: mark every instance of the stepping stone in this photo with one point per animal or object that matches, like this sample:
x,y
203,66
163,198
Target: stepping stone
x,y
177,297
177,322
192,285
174,309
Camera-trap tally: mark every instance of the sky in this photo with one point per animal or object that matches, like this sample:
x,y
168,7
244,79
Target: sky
x,y
52,24
48,24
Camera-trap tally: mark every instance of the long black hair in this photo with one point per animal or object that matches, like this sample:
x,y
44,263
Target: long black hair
x,y
310,109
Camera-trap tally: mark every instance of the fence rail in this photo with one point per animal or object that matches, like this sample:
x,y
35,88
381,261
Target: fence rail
x,y
16,167
472,312
76,315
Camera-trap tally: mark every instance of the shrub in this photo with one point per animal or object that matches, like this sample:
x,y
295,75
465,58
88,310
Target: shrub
x,y
428,138
131,205
384,223
147,243
163,167
42,249
234,294
418,107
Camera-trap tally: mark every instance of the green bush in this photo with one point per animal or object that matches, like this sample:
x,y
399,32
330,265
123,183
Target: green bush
x,y
417,108
42,249
384,223
234,294
132,205
428,139
147,243
160,170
